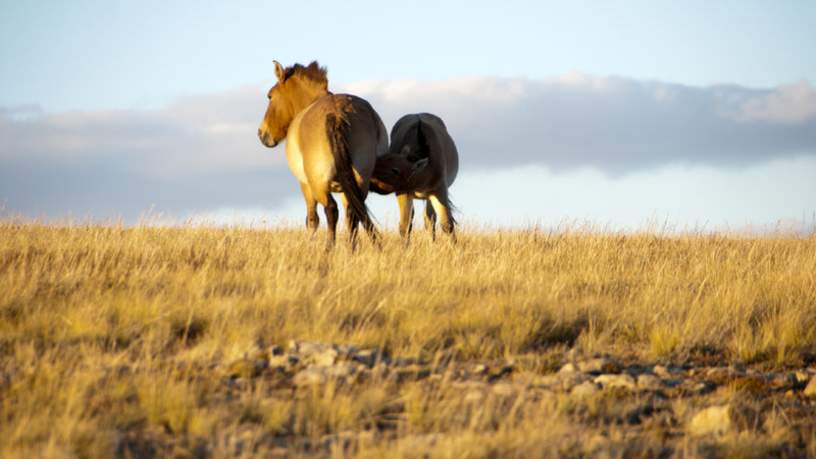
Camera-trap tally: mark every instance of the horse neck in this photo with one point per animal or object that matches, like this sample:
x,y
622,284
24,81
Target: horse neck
x,y
306,97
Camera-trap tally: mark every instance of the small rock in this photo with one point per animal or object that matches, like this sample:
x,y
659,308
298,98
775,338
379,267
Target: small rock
x,y
308,348
649,382
312,375
623,380
275,350
599,365
810,390
247,368
718,373
782,381
713,420
412,373
292,346
500,373
341,370
278,361
547,381
672,382
367,357
801,377
702,387
568,368
585,389
406,361
346,351
566,381
737,368
661,371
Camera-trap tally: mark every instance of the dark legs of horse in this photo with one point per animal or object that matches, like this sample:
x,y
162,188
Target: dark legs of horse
x,y
406,207
430,219
312,220
331,219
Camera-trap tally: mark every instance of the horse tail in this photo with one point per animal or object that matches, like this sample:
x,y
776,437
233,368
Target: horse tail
x,y
337,129
452,209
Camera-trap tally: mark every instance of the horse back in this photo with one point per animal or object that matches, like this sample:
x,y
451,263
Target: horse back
x,y
363,132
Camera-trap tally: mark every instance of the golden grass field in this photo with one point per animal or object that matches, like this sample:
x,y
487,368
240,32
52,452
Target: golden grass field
x,y
166,342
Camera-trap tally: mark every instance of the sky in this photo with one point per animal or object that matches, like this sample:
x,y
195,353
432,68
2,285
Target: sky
x,y
702,114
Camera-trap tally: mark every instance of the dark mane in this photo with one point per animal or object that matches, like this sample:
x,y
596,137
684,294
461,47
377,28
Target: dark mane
x,y
312,72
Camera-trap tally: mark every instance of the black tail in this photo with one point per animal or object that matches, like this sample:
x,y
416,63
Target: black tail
x,y
337,129
453,210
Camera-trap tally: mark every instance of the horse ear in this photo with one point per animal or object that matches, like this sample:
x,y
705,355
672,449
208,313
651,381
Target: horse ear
x,y
279,72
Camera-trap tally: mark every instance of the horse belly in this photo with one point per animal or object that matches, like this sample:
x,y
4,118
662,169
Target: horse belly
x,y
294,158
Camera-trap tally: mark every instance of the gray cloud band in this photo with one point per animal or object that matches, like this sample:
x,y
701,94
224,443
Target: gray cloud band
x,y
202,152
612,124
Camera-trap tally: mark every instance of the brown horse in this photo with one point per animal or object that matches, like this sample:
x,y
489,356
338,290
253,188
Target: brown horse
x,y
333,141
422,163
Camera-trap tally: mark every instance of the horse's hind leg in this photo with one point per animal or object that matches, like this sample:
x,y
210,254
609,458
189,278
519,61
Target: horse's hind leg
x,y
331,219
312,220
406,207
442,208
430,219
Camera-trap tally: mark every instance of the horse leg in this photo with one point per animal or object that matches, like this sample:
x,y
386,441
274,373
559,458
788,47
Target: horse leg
x,y
352,223
312,220
331,219
406,207
442,208
430,219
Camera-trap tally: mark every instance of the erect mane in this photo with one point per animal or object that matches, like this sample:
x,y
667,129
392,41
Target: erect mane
x,y
312,72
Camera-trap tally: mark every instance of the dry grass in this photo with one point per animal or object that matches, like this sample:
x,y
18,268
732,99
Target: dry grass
x,y
112,339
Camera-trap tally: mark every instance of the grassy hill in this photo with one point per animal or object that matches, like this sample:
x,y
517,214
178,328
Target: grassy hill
x,y
223,342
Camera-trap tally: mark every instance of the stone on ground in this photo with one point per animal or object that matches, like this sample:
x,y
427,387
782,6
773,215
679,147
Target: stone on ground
x,y
713,420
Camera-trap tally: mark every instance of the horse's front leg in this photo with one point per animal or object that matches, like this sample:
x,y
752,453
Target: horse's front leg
x,y
312,220
406,208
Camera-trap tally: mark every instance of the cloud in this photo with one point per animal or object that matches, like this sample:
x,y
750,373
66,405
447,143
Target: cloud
x,y
793,104
194,135
201,152
616,125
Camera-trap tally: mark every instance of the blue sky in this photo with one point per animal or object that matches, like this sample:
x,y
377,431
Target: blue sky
x,y
691,111
123,54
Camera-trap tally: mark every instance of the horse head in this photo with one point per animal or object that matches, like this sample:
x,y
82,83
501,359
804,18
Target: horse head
x,y
297,87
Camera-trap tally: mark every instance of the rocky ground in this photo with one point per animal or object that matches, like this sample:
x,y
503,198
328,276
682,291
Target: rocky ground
x,y
614,407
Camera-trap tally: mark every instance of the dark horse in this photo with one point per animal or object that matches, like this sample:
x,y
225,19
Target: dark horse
x,y
422,163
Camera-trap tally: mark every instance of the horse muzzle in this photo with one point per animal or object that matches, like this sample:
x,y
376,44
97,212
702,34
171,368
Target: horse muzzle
x,y
266,140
